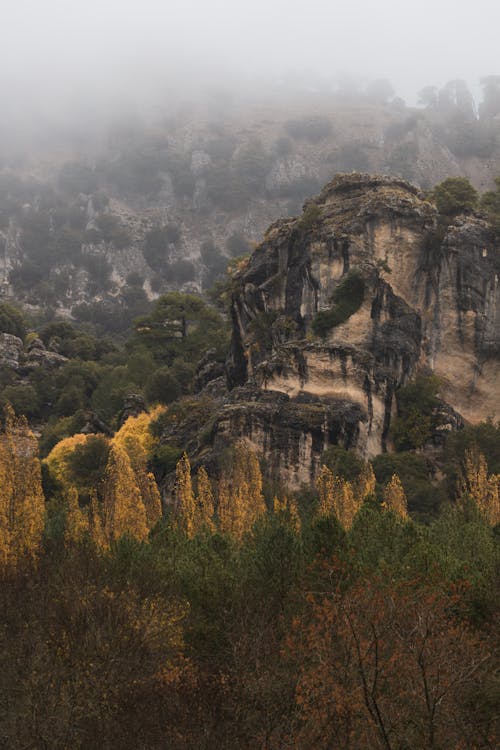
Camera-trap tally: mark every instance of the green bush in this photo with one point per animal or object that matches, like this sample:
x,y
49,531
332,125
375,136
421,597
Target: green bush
x,y
424,498
342,462
162,387
455,195
415,421
490,203
237,245
23,398
12,321
346,300
310,217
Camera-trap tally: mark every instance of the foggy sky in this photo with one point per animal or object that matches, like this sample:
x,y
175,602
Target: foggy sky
x,y
55,51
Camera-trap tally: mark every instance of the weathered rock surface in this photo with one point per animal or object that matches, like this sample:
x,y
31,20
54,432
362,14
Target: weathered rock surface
x,y
15,356
11,350
430,304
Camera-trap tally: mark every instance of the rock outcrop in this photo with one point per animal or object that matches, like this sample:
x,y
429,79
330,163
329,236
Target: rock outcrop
x,y
338,308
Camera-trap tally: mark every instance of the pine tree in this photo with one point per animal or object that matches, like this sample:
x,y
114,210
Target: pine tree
x,y
204,502
184,497
22,504
77,521
123,508
394,498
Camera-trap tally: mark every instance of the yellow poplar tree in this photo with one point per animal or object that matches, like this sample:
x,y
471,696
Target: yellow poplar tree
x,y
22,504
136,439
484,489
204,502
58,458
243,493
184,496
228,515
325,484
123,508
394,497
337,497
150,495
347,503
366,482
288,510
96,525
77,520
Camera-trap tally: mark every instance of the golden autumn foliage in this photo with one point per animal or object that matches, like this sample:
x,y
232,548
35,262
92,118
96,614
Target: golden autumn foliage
x,y
135,437
365,484
151,498
204,502
122,506
287,510
22,504
77,519
229,520
337,497
184,496
96,525
58,458
126,499
481,487
240,501
240,498
325,484
394,498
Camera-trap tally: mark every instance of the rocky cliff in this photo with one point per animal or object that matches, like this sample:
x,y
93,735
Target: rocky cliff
x,y
339,307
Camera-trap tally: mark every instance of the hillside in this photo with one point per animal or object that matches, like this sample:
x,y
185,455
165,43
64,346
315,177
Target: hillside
x,y
162,204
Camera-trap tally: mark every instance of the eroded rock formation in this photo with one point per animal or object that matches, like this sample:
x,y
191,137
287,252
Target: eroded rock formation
x,y
427,301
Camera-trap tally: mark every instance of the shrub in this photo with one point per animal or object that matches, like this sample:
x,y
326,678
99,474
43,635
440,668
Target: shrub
x,y
417,402
23,398
162,387
180,271
490,203
455,195
313,129
310,217
342,462
424,498
112,230
346,300
11,320
237,245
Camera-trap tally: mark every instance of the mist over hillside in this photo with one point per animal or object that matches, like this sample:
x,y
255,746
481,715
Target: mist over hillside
x,y
249,368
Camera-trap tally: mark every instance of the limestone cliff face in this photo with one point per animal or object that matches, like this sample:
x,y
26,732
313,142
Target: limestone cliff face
x,y
428,303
